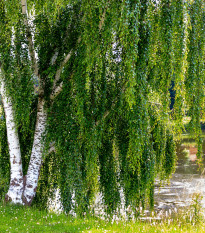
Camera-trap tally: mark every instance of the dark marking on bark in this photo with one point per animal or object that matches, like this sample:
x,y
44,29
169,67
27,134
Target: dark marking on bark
x,y
21,180
7,198
14,182
27,203
30,186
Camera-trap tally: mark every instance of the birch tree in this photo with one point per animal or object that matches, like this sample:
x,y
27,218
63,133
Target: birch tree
x,y
93,82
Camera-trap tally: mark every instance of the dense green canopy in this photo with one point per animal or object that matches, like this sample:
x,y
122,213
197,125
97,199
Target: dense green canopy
x,y
111,124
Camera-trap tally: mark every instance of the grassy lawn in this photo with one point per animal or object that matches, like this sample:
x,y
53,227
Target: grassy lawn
x,y
21,219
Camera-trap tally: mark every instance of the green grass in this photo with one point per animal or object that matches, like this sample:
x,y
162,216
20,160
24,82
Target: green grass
x,y
22,219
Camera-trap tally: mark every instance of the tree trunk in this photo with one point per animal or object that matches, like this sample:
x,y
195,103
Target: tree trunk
x,y
36,154
16,174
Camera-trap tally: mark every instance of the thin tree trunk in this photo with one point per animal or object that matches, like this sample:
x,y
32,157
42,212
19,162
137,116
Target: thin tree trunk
x,y
36,154
16,174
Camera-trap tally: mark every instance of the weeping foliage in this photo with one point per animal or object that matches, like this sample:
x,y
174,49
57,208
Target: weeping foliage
x,y
196,69
111,124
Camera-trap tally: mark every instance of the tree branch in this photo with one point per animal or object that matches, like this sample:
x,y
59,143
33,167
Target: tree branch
x,y
103,17
54,58
56,91
102,20
59,71
51,148
29,38
58,88
106,114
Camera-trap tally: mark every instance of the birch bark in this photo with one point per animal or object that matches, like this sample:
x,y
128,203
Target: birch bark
x,y
36,154
16,173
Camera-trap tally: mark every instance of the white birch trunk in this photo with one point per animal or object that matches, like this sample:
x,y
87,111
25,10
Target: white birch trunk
x,y
36,154
16,174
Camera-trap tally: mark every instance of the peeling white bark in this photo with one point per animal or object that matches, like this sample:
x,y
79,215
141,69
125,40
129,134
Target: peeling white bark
x,y
36,154
16,181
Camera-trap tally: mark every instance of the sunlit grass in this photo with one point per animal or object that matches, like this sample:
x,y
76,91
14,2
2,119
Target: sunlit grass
x,y
22,219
